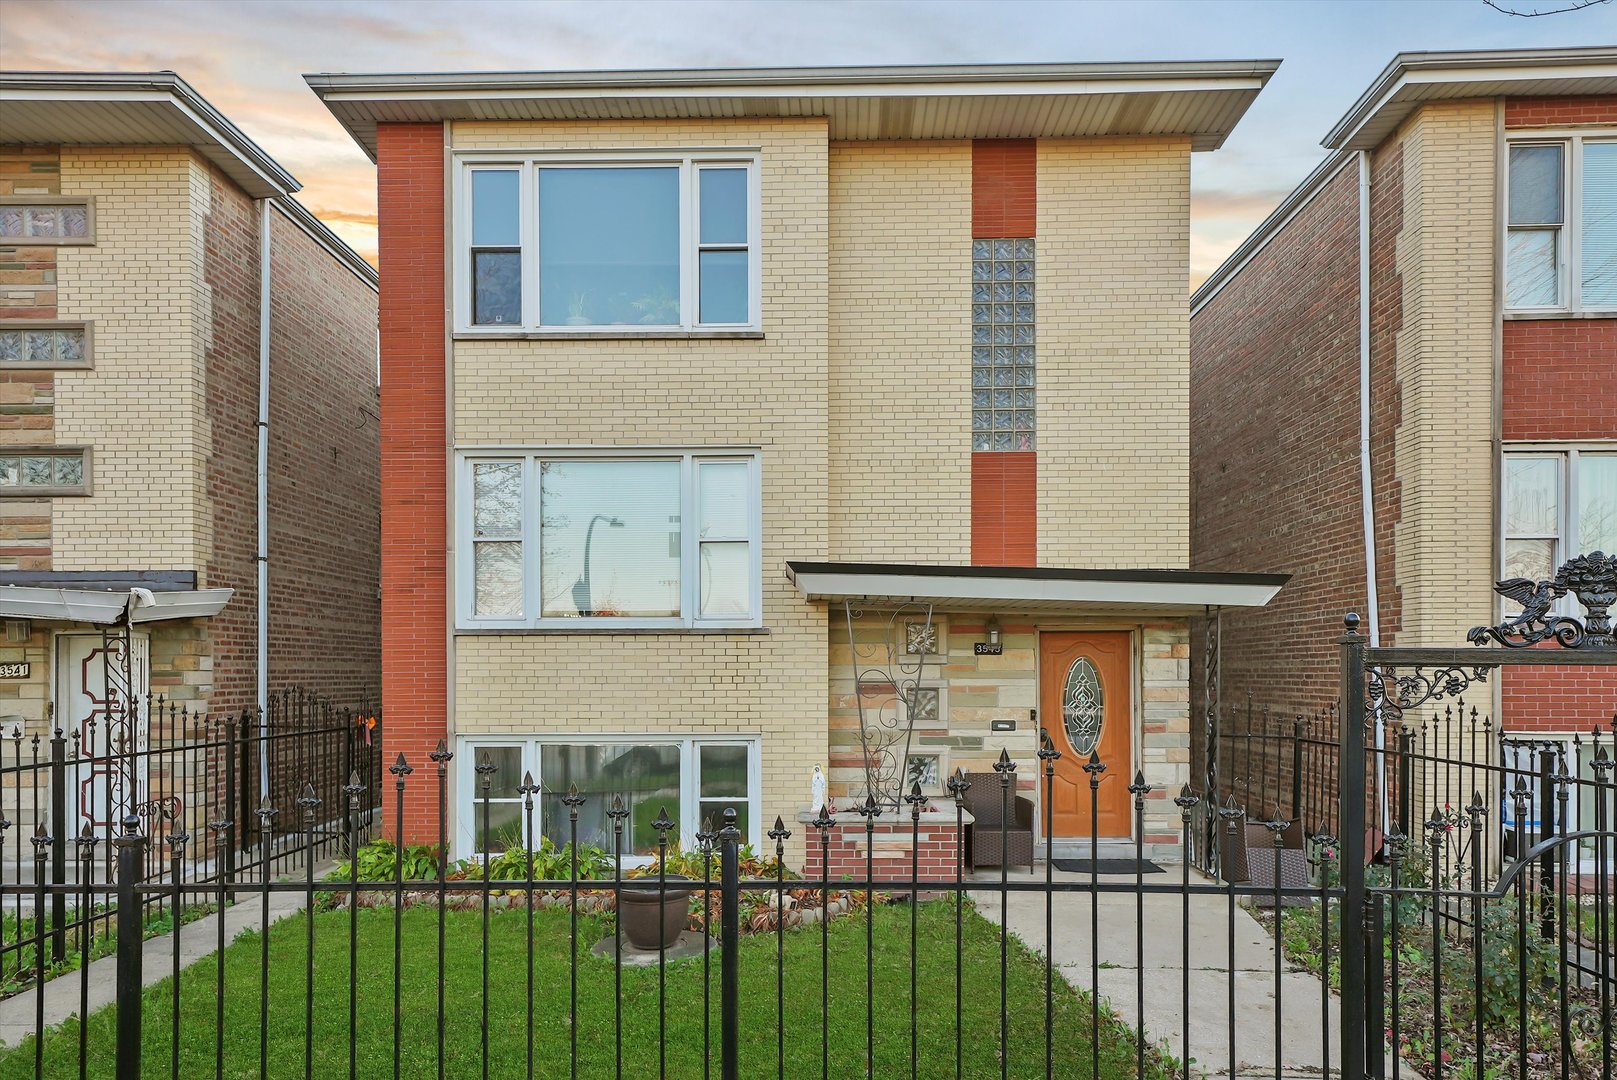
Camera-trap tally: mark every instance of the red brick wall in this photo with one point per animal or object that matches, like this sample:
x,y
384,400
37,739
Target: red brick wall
x,y
410,207
1004,517
1555,698
1004,196
1274,453
1550,111
324,465
230,268
1560,379
939,850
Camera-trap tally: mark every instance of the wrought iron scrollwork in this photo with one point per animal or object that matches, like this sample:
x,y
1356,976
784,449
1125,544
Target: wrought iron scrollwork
x,y
886,676
1591,578
1389,694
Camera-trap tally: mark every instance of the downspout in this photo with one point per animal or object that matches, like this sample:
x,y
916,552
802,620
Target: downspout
x,y
1366,491
263,490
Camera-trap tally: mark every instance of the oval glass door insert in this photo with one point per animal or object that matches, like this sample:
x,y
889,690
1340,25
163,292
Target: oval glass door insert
x,y
1083,706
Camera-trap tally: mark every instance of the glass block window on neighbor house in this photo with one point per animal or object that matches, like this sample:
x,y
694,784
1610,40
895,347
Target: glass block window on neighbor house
x,y
1002,358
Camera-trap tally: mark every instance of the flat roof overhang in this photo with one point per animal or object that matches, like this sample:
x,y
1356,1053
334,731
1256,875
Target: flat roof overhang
x,y
105,606
1202,100
1034,589
133,109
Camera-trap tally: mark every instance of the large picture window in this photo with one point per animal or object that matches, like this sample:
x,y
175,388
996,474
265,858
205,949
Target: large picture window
x,y
609,243
1561,224
694,779
553,539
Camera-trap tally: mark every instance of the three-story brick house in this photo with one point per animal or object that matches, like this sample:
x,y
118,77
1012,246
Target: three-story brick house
x,y
734,418
188,423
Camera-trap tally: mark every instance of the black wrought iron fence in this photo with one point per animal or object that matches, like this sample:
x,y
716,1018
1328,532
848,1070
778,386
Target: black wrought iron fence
x,y
182,771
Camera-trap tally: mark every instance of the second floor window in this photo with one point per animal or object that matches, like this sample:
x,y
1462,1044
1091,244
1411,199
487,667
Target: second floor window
x,y
1561,225
609,244
563,539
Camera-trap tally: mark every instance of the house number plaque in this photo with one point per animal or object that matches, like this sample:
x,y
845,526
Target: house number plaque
x,y
983,648
15,671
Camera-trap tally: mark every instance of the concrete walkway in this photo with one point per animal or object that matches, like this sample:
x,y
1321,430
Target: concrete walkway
x,y
198,939
1304,1009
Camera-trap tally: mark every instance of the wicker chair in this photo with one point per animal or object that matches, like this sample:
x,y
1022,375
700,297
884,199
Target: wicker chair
x,y
985,801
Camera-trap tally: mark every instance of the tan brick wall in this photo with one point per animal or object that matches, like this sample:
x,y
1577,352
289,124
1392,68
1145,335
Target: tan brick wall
x,y
900,326
139,407
1443,445
1114,352
704,392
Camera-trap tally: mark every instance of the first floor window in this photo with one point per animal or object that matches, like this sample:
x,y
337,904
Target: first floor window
x,y
563,540
1558,504
1523,760
693,779
44,471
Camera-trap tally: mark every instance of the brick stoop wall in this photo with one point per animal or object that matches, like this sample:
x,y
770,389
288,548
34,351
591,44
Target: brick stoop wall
x,y
894,835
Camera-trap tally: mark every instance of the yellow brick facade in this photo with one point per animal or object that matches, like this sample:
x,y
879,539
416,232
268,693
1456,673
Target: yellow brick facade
x,y
900,326
1443,447
1114,353
141,407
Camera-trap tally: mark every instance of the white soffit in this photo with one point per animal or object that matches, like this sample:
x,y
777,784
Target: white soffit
x,y
133,109
1182,592
107,606
1200,99
1416,79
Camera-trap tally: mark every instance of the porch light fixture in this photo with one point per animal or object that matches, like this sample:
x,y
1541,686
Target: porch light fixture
x,y
992,629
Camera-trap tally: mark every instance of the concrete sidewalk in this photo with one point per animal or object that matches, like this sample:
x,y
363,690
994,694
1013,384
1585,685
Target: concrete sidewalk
x,y
1306,1013
198,940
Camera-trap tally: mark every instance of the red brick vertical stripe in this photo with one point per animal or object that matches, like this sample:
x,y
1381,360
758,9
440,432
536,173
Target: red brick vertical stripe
x,y
410,210
1004,491
1004,195
1560,379
1550,111
1004,525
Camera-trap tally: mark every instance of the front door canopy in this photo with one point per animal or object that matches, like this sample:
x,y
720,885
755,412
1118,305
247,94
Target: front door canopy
x,y
1033,589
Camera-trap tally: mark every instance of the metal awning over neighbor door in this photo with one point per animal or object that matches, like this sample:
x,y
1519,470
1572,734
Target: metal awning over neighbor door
x,y
1033,589
108,606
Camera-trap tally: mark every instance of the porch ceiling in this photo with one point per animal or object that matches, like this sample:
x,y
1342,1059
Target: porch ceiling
x,y
1034,589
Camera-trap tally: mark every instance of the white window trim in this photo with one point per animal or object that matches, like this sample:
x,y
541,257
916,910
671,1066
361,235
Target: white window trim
x,y
1567,542
1568,238
689,163
690,542
467,801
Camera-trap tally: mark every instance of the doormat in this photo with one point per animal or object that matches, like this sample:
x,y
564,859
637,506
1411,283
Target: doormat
x,y
1107,866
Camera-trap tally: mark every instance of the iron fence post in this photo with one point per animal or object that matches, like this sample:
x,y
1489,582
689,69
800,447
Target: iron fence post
x,y
1406,780
1375,997
131,854
1547,828
1355,1036
729,937
59,851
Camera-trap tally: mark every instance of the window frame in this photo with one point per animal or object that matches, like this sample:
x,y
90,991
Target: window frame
x,y
24,325
52,491
690,162
531,746
1530,742
86,201
689,618
1568,544
1568,235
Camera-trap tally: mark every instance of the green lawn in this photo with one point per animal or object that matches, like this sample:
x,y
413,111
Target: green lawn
x,y
507,1005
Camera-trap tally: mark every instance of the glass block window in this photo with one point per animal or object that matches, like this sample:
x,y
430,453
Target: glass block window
x,y
1002,345
46,472
44,222
38,346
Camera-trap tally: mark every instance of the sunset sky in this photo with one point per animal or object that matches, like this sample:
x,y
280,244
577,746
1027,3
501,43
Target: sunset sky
x,y
248,59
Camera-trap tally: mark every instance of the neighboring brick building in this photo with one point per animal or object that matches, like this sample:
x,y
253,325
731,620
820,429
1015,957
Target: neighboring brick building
x,y
1484,375
133,222
729,353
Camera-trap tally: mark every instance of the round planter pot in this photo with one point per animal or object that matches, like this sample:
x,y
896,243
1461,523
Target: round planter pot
x,y
653,920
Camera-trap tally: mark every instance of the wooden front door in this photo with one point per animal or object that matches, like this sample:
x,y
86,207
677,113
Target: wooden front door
x,y
1085,703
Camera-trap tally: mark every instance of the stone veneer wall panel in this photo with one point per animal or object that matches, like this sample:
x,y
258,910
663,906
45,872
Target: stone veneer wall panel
x,y
1114,352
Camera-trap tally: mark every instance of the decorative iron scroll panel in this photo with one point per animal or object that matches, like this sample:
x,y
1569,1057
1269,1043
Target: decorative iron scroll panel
x,y
886,678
